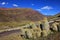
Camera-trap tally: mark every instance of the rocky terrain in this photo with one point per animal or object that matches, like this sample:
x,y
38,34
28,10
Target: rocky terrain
x,y
19,14
28,24
54,17
9,17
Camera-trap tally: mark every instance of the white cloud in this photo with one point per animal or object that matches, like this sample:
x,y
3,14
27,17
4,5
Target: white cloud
x,y
15,5
47,7
3,3
38,9
32,4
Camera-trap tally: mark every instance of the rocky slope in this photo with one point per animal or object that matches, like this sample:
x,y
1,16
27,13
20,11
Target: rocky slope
x,y
14,17
19,14
54,17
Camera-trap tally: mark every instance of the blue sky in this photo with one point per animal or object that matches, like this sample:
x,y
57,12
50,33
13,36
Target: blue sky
x,y
46,7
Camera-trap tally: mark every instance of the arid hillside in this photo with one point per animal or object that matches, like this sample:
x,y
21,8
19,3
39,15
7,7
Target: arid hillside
x,y
16,17
54,17
19,14
28,24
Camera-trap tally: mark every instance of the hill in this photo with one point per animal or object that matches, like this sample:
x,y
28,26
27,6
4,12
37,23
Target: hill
x,y
54,17
19,14
14,17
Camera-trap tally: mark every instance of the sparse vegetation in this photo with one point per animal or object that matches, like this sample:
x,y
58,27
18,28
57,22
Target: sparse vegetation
x,y
11,18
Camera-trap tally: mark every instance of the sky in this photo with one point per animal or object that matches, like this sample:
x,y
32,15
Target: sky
x,y
46,7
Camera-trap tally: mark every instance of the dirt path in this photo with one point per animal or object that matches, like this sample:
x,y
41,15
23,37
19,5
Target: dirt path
x,y
8,32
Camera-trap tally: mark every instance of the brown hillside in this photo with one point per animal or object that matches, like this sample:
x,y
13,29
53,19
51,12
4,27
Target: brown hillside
x,y
19,14
54,17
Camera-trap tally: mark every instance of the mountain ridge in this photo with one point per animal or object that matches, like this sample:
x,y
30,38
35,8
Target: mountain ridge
x,y
16,14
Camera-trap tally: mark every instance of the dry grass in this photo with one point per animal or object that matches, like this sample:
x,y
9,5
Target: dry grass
x,y
14,36
6,25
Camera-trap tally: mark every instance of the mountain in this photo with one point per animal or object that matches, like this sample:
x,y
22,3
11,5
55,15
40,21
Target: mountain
x,y
54,17
19,14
